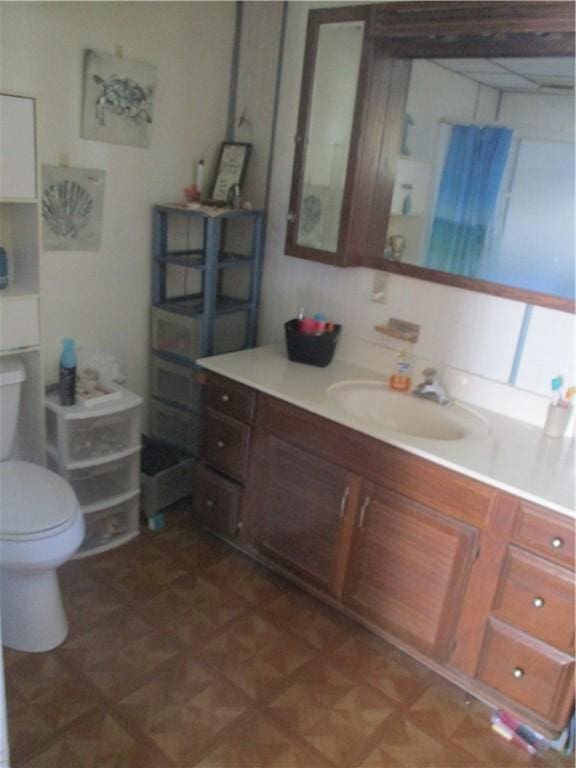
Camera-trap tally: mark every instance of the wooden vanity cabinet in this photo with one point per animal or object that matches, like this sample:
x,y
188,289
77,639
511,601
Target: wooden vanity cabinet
x,y
303,507
365,523
408,568
527,652
224,455
473,582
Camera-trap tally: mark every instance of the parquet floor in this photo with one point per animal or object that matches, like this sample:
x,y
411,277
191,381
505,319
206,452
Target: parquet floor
x,y
183,653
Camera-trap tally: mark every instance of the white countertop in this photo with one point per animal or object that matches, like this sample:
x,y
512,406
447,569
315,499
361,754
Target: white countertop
x,y
516,457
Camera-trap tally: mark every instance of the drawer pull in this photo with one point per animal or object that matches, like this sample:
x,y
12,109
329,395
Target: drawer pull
x,y
344,499
557,542
365,504
538,602
209,503
220,444
518,673
225,398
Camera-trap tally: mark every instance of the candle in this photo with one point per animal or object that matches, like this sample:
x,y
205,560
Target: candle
x,y
200,175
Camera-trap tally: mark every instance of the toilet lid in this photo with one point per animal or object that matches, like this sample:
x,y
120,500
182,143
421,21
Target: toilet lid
x,y
33,500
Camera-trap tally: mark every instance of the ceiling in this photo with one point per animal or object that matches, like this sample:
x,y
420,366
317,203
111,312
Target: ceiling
x,y
545,75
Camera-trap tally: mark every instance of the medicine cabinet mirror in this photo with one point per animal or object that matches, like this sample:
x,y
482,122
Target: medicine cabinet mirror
x,y
430,152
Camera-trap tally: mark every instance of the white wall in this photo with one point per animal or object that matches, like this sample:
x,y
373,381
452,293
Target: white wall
x,y
256,89
473,331
102,298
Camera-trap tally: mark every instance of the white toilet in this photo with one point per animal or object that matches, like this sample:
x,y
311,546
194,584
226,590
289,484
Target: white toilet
x,y
41,526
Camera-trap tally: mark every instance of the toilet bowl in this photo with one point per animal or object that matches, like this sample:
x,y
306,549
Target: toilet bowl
x,y
41,526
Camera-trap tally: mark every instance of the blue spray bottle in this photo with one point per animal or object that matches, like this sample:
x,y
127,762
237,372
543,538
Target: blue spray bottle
x,y
67,379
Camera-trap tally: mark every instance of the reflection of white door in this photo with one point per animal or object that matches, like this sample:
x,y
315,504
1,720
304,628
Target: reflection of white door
x,y
537,245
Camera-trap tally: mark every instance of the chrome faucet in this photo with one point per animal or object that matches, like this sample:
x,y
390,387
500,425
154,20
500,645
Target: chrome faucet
x,y
431,388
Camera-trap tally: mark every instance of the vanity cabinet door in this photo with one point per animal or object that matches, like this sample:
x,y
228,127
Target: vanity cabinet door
x,y
303,513
408,569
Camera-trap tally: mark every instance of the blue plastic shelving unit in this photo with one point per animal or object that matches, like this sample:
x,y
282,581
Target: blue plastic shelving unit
x,y
209,260
205,305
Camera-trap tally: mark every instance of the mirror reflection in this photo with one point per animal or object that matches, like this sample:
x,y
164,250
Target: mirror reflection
x,y
485,179
328,140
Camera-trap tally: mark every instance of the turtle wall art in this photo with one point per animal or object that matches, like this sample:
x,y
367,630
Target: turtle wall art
x,y
118,99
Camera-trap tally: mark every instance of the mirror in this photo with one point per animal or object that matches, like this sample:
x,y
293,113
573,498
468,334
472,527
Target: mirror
x,y
484,184
338,55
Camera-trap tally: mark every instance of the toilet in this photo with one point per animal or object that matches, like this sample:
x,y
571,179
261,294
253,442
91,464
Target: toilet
x,y
41,526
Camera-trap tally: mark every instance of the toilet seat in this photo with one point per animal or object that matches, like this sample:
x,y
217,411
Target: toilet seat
x,y
34,502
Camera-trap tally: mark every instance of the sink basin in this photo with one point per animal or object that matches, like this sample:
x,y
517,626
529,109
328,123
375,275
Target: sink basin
x,y
373,402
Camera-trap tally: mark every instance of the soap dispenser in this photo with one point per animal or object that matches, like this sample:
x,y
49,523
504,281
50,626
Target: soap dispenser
x,y
400,380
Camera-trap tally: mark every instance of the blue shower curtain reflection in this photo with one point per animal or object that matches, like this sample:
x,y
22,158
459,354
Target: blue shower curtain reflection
x,y
467,198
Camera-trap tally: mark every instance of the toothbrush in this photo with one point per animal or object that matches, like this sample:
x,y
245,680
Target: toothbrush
x,y
556,387
570,392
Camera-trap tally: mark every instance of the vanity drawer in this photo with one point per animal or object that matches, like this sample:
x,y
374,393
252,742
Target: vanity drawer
x,y
538,597
225,445
546,533
527,671
230,398
216,501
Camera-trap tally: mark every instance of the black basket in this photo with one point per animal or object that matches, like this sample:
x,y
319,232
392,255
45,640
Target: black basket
x,y
311,350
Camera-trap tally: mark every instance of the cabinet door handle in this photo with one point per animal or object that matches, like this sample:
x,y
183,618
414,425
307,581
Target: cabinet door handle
x,y
344,499
365,505
538,602
557,542
220,444
518,673
225,398
209,503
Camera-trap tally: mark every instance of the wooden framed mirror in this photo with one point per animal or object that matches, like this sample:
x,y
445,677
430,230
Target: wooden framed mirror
x,y
428,89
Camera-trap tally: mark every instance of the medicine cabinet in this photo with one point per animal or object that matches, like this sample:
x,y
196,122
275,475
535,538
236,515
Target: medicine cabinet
x,y
373,143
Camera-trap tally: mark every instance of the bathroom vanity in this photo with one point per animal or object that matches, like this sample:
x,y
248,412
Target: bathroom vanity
x,y
459,551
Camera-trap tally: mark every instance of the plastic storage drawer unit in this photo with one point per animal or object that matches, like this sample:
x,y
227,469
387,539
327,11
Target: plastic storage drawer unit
x,y
96,483
107,527
181,335
89,438
178,383
176,427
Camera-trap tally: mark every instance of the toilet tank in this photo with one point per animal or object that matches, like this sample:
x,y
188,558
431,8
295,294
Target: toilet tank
x,y
12,374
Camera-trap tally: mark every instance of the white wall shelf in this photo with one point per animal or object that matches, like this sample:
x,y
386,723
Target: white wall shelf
x,y
20,333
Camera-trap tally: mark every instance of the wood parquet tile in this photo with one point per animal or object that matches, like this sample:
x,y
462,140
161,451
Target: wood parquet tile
x,y
183,653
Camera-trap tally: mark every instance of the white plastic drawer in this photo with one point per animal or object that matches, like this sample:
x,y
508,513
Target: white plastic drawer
x,y
182,334
110,526
95,484
176,427
178,383
95,437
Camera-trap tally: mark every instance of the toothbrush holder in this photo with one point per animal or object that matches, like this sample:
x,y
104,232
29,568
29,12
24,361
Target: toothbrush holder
x,y
557,420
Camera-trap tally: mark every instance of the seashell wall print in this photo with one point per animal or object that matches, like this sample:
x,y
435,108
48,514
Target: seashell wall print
x,y
67,208
72,208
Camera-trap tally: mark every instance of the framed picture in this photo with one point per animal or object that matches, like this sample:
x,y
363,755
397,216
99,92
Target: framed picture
x,y
72,205
118,99
231,168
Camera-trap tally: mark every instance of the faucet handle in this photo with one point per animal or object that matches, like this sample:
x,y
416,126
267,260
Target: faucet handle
x,y
430,375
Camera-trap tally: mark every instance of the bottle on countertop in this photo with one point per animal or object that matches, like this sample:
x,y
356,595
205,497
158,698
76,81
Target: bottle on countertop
x,y
67,377
400,380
